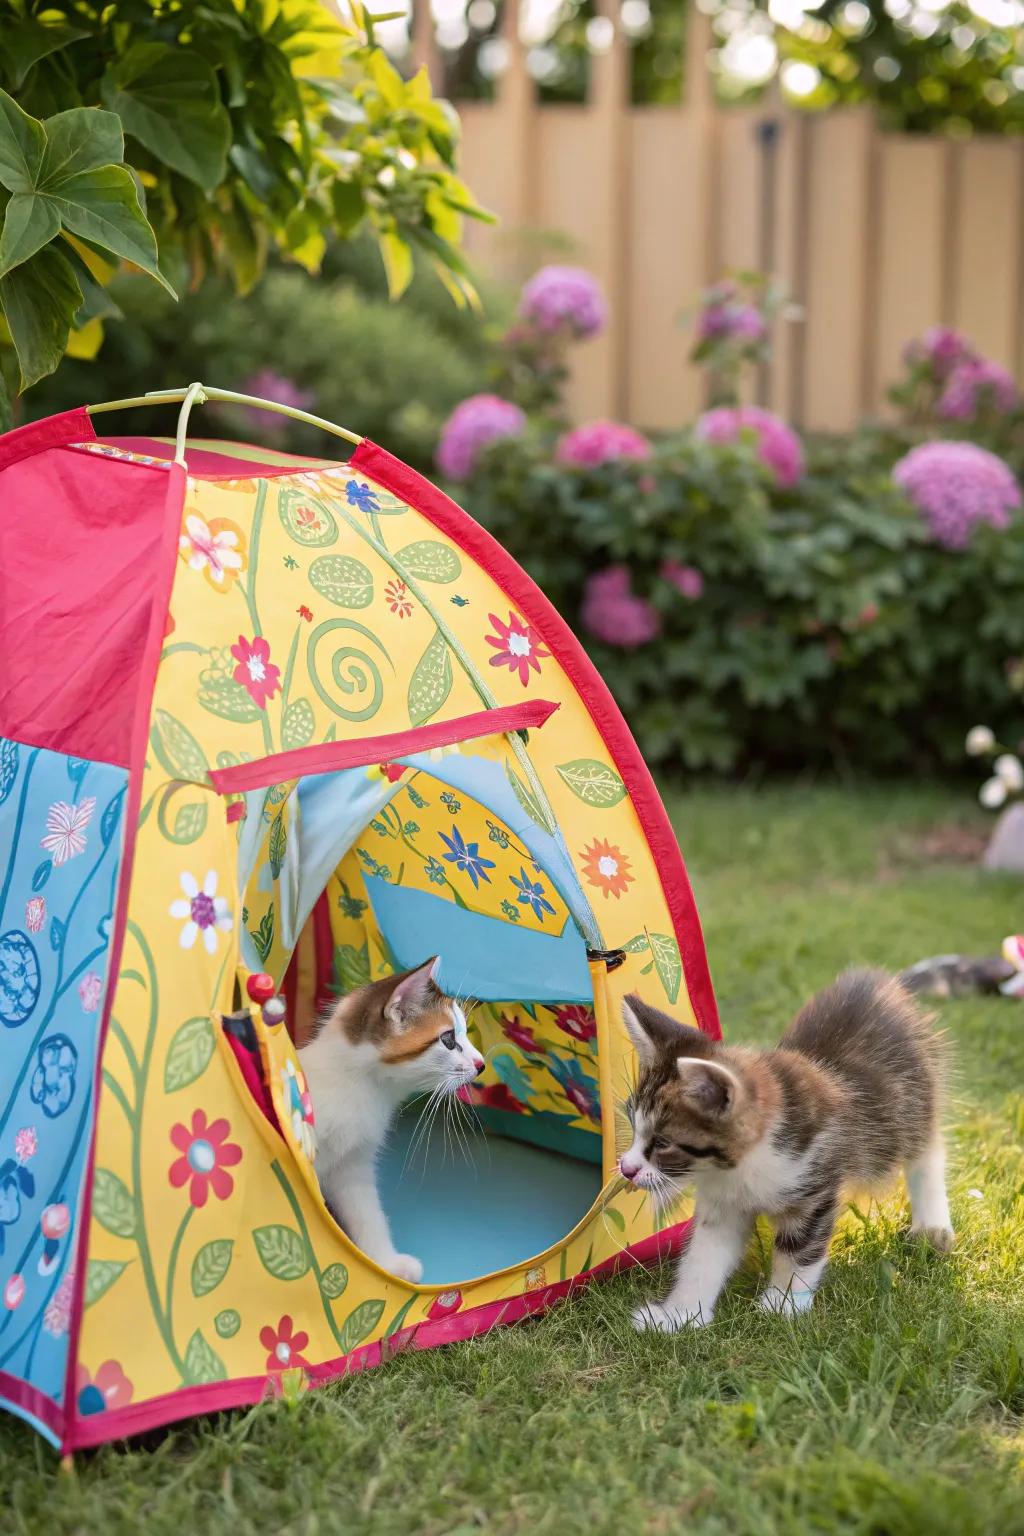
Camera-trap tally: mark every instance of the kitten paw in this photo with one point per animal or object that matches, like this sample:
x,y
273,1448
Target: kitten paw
x,y
654,1316
785,1303
941,1238
405,1267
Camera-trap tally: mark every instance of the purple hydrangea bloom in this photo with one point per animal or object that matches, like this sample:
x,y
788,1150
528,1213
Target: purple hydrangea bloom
x,y
269,385
778,446
564,298
974,384
940,346
686,579
956,486
731,322
601,442
471,426
613,613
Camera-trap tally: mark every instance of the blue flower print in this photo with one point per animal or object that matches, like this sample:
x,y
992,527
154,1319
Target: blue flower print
x,y
579,1089
467,857
359,495
53,1081
15,1181
531,894
19,978
435,871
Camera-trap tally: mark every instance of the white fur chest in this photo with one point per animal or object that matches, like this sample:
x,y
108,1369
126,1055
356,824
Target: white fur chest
x,y
766,1179
353,1108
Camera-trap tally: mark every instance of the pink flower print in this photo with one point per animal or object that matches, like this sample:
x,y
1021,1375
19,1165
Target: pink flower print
x,y
398,599
35,913
14,1293
90,990
57,1317
203,910
65,829
216,548
255,671
518,646
26,1143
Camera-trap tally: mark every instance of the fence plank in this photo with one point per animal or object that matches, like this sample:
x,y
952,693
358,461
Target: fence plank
x,y
986,226
912,258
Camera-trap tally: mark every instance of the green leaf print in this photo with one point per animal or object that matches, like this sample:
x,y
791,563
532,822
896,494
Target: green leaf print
x,y
345,582
202,1363
306,519
282,1252
352,965
431,682
189,1053
668,963
227,1323
593,782
298,725
263,936
189,823
637,944
220,695
278,845
430,561
210,1265
333,1281
537,812
112,1205
359,1323
100,1276
176,748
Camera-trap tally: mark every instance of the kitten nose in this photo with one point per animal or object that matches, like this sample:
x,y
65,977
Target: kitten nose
x,y
627,1169
481,1064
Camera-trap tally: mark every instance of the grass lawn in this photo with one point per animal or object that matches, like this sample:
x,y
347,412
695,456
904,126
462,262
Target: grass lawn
x,y
896,1407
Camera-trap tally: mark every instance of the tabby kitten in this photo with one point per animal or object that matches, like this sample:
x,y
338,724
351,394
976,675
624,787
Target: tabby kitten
x,y
381,1045
850,1094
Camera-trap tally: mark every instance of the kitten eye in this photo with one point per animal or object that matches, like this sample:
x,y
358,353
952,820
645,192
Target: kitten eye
x,y
698,1151
448,1039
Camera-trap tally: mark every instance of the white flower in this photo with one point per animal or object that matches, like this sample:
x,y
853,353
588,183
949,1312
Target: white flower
x,y
979,741
1009,769
65,827
992,794
203,910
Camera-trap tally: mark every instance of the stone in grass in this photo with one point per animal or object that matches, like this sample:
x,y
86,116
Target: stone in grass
x,y
1006,845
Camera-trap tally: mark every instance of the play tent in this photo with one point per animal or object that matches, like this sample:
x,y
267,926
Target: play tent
x,y
306,718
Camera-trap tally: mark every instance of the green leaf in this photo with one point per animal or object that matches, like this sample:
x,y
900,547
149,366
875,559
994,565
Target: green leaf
x,y
22,142
361,1321
227,1323
343,581
168,99
100,1276
210,1265
431,682
593,782
400,1316
278,844
176,748
112,1205
430,561
202,1363
298,725
333,1281
82,139
189,1053
667,963
263,936
102,207
29,223
528,800
26,41
40,299
610,1213
282,1252
397,258
352,965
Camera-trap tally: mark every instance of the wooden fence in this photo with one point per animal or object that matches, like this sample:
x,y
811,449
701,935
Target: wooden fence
x,y
875,235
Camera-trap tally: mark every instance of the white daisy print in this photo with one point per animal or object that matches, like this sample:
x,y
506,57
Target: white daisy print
x,y
203,910
65,828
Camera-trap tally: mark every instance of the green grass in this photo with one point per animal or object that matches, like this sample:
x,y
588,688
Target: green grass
x,y
896,1407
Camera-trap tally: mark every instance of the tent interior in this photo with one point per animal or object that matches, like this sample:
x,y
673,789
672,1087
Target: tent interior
x,y
435,854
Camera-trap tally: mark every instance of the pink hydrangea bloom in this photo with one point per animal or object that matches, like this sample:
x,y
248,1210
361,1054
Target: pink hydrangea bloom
x,y
955,486
471,426
973,385
269,385
564,298
613,613
940,346
729,321
601,442
685,578
778,446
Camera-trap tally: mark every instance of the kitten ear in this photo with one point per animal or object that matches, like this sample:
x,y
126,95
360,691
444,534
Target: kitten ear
x,y
708,1085
653,1032
412,994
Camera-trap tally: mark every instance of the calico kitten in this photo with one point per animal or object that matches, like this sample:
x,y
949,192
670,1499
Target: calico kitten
x,y
381,1045
850,1094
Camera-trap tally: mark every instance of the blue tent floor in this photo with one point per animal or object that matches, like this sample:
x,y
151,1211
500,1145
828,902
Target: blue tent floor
x,y
468,1214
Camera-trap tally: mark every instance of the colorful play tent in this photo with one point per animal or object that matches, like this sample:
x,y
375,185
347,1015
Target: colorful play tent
x,y
261,714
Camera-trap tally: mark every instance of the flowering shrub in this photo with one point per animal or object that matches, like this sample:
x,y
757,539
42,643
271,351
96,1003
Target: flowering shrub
x,y
732,328
956,486
472,425
948,380
613,613
601,442
778,446
564,299
974,386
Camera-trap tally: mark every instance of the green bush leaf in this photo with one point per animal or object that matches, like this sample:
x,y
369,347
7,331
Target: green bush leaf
x,y
361,1321
202,1363
189,1053
22,142
227,1323
100,1276
102,207
333,1281
431,682
112,1204
25,42
29,223
667,963
169,100
210,1265
177,749
298,725
593,782
282,1252
428,560
346,582
40,299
